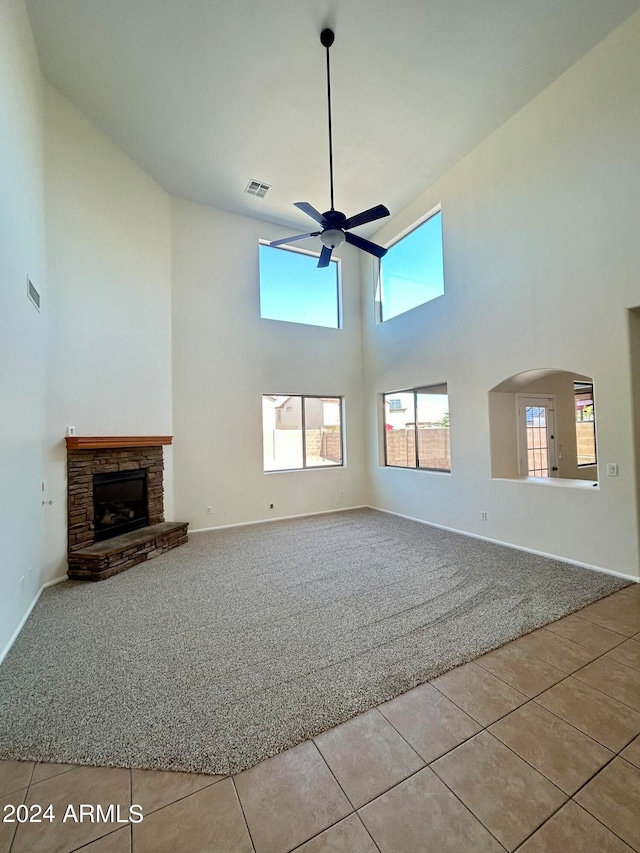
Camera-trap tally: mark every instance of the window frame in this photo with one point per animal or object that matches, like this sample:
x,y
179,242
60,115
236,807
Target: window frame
x,y
421,389
378,296
576,393
309,253
305,467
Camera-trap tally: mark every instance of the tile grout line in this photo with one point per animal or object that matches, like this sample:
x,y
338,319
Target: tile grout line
x,y
560,638
355,810
244,817
26,794
587,622
501,717
363,825
612,831
185,796
475,816
94,840
447,751
544,822
326,829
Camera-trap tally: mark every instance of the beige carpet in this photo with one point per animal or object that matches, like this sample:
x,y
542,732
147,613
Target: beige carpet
x,y
249,640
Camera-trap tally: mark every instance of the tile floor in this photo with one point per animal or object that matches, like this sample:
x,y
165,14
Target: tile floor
x,y
534,747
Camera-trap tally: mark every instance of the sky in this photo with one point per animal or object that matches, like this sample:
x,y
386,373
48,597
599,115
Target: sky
x,y
412,269
292,288
431,407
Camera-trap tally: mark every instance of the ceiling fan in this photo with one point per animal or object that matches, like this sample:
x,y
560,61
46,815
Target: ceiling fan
x,y
334,224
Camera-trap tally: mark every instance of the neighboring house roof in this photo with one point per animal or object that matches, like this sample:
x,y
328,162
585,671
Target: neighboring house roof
x,y
280,401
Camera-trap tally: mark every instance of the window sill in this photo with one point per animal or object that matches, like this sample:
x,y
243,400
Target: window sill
x,y
407,468
308,468
553,482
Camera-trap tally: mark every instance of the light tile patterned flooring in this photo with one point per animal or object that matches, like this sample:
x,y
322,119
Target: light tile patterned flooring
x,y
534,747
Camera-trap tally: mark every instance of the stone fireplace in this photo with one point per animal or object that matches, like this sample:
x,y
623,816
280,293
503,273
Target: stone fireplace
x,y
116,504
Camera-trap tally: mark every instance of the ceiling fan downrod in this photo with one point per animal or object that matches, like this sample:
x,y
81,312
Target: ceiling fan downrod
x,y
327,38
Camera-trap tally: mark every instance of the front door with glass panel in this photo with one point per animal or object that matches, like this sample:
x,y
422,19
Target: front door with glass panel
x,y
536,437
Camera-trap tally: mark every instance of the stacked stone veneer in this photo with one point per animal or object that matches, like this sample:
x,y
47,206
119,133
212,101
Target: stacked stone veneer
x,y
83,464
90,560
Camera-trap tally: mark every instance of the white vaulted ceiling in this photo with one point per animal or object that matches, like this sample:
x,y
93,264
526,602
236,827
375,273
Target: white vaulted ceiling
x,y
207,94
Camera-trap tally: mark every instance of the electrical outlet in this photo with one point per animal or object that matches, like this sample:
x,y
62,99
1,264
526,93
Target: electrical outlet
x,y
208,510
483,515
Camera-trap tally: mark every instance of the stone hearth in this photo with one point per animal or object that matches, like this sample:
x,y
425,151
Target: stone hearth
x,y
86,456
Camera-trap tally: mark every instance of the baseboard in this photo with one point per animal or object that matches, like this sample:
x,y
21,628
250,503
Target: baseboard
x,y
21,625
279,518
511,545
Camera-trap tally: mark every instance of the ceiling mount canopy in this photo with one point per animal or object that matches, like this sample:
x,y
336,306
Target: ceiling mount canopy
x,y
334,224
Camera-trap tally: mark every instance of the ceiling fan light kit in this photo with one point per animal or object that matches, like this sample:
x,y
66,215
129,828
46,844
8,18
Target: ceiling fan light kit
x,y
334,224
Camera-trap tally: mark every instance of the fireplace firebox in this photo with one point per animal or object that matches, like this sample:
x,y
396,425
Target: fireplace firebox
x,y
119,503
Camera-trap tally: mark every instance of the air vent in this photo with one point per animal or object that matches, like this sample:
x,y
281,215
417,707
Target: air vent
x,y
257,188
34,296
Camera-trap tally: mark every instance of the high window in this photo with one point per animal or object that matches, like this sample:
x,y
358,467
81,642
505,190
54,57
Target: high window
x,y
301,432
293,289
416,428
412,271
585,423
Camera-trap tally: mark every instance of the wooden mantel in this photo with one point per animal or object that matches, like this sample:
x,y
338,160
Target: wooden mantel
x,y
104,442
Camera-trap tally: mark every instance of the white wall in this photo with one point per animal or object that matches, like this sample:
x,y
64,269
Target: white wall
x,y
226,357
23,331
109,264
542,259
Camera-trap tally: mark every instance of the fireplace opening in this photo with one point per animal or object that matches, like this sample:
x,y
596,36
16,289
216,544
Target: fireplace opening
x,y
119,503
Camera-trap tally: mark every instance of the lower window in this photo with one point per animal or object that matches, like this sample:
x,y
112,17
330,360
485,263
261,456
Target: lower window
x,y
301,432
417,428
